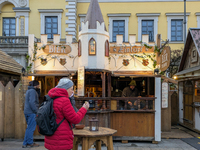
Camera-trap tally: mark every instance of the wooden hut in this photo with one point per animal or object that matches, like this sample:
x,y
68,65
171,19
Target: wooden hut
x,y
189,81
12,121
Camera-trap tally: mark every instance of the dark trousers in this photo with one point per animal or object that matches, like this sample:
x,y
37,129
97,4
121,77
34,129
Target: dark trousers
x,y
31,125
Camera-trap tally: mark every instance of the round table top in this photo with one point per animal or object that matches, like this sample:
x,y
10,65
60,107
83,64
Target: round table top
x,y
85,132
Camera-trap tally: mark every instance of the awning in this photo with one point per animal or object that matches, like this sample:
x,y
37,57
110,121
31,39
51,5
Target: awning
x,y
189,70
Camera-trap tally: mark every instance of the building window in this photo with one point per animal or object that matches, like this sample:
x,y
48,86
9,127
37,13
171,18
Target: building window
x,y
9,26
115,26
177,30
51,26
44,13
148,24
148,28
175,26
92,47
118,29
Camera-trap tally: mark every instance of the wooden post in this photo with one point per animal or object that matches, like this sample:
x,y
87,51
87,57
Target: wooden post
x,y
9,124
19,115
110,143
75,143
96,104
85,144
138,104
98,145
109,89
117,104
147,104
109,84
103,77
2,111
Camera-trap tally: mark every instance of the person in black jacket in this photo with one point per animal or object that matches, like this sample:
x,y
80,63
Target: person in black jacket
x,y
30,109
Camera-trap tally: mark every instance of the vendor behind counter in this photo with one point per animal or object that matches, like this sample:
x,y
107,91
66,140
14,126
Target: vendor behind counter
x,y
130,91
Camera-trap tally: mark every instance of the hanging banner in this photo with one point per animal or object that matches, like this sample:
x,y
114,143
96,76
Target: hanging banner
x,y
130,49
164,95
165,58
81,81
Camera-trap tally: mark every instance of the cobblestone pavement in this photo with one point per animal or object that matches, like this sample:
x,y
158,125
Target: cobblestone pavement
x,y
165,144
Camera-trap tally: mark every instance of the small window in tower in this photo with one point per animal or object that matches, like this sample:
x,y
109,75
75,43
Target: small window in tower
x,y
107,48
92,47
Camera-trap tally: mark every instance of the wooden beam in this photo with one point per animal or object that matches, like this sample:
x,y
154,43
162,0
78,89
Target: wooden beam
x,y
103,77
109,84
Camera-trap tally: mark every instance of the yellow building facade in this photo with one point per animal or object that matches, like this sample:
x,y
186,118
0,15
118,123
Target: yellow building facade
x,y
29,18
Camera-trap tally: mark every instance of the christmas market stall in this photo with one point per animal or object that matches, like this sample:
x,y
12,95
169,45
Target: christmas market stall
x,y
189,82
100,71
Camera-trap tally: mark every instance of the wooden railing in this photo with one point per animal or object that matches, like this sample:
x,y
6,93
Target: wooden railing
x,y
122,103
13,39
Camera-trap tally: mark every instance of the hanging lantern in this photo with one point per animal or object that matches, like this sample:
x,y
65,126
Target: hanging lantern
x,y
63,61
43,61
94,124
125,62
145,62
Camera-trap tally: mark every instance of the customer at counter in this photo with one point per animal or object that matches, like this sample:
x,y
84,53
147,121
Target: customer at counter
x,y
131,91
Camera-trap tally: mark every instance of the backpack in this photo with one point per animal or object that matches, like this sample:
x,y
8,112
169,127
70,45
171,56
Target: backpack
x,y
46,118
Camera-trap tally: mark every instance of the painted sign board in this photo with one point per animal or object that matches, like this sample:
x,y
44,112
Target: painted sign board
x,y
165,58
164,95
57,49
81,81
130,49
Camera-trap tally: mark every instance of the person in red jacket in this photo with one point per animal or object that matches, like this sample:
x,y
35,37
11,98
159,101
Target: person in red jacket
x,y
63,137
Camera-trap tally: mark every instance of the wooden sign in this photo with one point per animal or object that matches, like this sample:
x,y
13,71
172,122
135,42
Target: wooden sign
x,y
81,81
164,95
165,58
57,49
130,49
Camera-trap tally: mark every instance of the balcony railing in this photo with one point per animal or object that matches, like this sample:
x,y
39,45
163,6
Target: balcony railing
x,y
138,104
14,40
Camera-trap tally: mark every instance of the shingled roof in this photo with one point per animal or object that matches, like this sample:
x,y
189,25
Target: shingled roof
x,y
8,64
193,35
93,15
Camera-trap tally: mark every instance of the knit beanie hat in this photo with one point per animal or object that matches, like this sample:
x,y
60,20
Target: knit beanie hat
x,y
34,83
65,83
132,83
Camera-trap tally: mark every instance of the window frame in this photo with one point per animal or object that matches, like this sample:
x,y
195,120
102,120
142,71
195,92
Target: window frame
x,y
89,48
50,12
148,26
118,31
151,16
9,25
175,16
51,27
124,17
198,19
176,20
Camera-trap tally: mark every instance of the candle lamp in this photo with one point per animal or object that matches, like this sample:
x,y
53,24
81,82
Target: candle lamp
x,y
94,124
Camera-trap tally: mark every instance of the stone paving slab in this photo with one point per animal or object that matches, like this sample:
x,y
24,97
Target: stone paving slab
x,y
165,144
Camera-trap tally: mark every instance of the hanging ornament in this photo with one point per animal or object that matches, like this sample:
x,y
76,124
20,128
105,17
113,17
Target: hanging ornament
x,y
43,61
145,62
125,62
63,61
